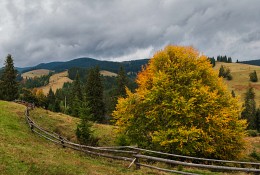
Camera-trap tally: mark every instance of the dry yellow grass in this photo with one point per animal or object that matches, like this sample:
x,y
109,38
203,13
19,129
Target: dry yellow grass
x,y
240,81
56,82
107,73
35,73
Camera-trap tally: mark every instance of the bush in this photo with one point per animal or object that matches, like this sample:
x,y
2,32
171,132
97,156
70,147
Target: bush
x,y
255,155
252,133
122,140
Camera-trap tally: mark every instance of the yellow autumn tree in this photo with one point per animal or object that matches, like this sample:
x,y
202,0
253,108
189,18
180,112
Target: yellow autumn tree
x,y
181,106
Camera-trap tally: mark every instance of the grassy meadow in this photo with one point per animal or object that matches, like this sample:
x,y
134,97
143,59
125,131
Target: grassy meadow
x,y
240,82
23,152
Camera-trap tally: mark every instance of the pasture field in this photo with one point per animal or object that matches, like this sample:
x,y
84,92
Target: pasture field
x,y
241,82
35,73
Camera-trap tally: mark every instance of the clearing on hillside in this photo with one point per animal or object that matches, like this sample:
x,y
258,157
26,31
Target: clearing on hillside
x,y
35,73
56,81
107,73
240,82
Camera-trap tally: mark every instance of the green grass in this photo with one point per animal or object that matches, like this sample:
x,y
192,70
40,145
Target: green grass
x,y
240,82
66,125
23,152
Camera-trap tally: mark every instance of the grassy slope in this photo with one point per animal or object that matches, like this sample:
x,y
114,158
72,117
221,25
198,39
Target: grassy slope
x,y
56,81
35,73
22,152
240,82
66,126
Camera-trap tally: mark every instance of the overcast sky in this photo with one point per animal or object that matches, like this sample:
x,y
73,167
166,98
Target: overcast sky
x,y
56,30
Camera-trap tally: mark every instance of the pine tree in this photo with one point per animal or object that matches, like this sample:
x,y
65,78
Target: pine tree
x,y
84,132
253,76
221,71
122,82
218,58
77,88
94,94
225,59
249,112
77,97
229,60
8,84
51,100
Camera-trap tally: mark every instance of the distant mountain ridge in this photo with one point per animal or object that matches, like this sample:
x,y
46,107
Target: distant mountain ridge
x,y
85,62
252,62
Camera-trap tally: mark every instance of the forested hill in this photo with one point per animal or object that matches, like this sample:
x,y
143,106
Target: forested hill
x,y
252,62
130,66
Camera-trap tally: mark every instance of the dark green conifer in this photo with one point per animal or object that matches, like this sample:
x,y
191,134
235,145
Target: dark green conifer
x,y
94,94
249,111
122,82
253,76
229,60
51,100
8,83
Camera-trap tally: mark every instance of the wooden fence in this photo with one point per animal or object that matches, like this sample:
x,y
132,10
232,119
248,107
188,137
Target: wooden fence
x,y
141,157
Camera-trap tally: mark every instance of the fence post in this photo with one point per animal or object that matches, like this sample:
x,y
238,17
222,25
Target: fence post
x,y
31,125
137,161
62,141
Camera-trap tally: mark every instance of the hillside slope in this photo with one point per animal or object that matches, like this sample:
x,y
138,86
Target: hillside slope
x,y
56,81
240,81
22,152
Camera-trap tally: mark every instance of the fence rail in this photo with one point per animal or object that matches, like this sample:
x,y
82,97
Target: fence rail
x,y
137,155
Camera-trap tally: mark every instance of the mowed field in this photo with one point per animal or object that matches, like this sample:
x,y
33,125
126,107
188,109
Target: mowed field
x,y
35,73
241,82
56,81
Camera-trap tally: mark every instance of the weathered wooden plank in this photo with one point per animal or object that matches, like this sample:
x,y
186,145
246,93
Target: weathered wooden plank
x,y
197,165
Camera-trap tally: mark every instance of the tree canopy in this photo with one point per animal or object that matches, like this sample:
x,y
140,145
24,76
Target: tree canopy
x,y
181,106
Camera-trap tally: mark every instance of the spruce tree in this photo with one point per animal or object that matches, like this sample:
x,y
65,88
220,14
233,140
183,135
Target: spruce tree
x,y
122,82
51,100
229,60
77,88
249,112
77,97
94,94
8,83
221,71
253,76
84,132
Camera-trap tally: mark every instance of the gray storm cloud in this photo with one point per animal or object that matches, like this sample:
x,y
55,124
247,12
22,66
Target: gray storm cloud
x,y
47,30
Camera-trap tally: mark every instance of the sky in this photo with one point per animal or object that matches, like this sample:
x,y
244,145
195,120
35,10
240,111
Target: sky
x,y
40,31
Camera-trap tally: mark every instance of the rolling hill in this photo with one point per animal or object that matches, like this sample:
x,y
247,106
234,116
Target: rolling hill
x,y
130,66
35,73
240,82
